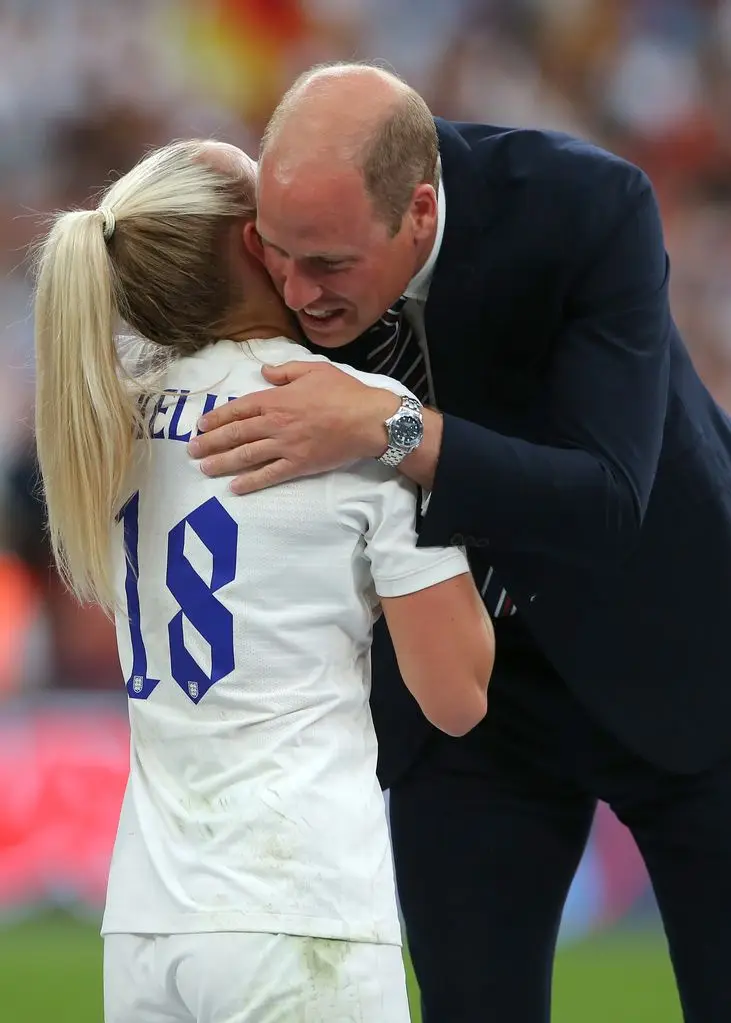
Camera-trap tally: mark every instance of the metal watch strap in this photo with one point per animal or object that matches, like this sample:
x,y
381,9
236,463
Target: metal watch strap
x,y
411,404
393,456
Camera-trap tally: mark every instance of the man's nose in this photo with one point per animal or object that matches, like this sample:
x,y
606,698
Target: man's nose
x,y
298,291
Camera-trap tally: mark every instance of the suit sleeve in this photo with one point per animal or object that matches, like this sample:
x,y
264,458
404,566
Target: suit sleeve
x,y
582,497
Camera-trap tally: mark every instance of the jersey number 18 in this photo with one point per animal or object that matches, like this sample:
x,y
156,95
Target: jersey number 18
x,y
218,532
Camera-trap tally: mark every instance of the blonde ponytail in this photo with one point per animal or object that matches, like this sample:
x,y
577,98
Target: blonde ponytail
x,y
154,255
86,419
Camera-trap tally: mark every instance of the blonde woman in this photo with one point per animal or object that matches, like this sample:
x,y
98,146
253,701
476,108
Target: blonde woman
x,y
251,879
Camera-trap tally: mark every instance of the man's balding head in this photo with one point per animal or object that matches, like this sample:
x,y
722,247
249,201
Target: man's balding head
x,y
349,101
357,116
347,204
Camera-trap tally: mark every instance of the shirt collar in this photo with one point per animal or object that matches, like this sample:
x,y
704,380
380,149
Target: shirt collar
x,y
418,286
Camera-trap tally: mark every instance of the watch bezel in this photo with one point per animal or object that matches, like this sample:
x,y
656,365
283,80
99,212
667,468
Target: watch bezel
x,y
400,418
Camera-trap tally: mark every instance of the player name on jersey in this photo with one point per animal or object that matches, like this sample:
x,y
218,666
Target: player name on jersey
x,y
164,412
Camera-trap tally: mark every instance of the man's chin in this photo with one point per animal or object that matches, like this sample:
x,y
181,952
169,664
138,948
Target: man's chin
x,y
331,342
327,335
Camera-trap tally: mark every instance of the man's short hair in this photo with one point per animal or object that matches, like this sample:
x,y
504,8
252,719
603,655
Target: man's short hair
x,y
401,152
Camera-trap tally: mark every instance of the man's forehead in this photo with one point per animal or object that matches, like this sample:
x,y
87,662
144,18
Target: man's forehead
x,y
310,212
315,183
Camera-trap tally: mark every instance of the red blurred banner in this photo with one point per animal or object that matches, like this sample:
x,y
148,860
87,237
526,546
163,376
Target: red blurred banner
x,y
64,764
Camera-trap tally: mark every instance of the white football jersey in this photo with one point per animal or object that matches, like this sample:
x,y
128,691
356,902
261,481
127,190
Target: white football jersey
x,y
252,802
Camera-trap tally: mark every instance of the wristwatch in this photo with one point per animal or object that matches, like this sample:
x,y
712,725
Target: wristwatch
x,y
405,429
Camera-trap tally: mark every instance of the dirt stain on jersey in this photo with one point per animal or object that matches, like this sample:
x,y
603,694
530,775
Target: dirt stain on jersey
x,y
323,959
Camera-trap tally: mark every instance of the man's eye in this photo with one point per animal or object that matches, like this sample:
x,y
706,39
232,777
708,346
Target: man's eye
x,y
332,265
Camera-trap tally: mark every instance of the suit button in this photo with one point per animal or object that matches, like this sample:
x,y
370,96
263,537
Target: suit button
x,y
457,538
531,598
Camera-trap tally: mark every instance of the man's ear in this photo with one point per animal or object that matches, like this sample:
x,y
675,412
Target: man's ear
x,y
252,241
424,209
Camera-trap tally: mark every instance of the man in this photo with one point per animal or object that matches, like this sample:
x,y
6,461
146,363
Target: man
x,y
577,455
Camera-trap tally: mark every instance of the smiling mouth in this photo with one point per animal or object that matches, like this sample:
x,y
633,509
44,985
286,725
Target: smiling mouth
x,y
321,314
321,317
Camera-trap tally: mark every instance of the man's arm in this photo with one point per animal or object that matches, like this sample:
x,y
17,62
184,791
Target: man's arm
x,y
587,492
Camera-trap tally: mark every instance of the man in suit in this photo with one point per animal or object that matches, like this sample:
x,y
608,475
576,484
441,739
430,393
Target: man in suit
x,y
576,454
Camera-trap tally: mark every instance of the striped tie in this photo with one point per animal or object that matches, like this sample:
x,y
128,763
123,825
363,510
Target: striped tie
x,y
394,350
496,598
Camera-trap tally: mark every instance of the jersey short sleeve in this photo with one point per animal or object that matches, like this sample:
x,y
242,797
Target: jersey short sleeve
x,y
388,501
398,566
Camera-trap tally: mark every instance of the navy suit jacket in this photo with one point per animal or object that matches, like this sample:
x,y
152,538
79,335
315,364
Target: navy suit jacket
x,y
582,456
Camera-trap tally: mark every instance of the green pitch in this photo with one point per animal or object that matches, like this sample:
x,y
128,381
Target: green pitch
x,y
51,970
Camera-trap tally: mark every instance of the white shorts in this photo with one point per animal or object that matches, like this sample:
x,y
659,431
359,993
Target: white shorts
x,y
247,977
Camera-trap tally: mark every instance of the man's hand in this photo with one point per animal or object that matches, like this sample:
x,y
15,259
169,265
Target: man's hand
x,y
318,418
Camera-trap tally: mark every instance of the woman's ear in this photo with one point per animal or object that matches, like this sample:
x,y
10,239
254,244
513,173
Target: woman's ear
x,y
252,241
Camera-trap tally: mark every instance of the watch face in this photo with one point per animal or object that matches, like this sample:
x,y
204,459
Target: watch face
x,y
406,432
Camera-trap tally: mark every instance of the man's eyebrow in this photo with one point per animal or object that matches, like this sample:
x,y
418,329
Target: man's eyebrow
x,y
333,257
329,257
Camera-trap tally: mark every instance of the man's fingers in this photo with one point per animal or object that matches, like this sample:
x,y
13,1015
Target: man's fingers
x,y
247,407
241,458
230,435
290,371
278,471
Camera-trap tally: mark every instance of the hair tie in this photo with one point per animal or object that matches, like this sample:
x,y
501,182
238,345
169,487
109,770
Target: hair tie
x,y
109,222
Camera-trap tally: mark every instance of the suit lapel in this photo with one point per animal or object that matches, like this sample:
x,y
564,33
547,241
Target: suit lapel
x,y
456,292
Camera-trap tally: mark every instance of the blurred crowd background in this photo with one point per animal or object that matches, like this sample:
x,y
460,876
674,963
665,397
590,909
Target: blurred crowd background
x,y
87,85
